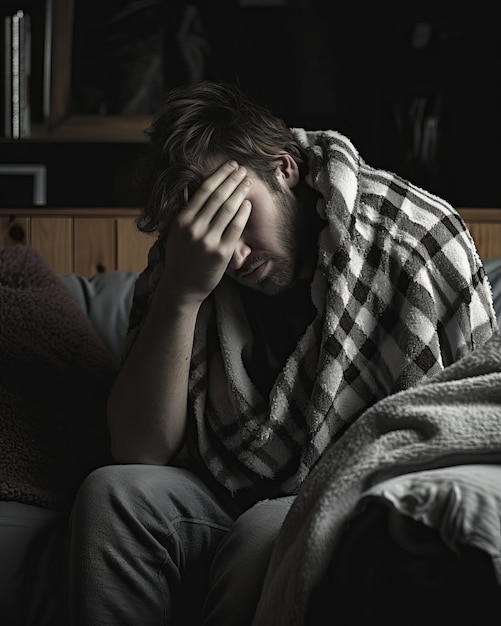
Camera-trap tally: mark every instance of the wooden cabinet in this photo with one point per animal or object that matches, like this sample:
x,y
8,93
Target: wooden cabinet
x,y
83,240
92,240
485,227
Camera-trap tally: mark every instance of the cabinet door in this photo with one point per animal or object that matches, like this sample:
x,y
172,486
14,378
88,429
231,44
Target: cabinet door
x,y
94,245
52,237
84,241
132,245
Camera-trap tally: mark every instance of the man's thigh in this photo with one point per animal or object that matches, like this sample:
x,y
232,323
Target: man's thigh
x,y
147,532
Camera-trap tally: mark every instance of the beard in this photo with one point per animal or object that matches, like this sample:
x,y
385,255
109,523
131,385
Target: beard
x,y
292,230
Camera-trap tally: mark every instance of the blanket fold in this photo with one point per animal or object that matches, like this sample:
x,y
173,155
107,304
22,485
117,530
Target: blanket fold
x,y
451,418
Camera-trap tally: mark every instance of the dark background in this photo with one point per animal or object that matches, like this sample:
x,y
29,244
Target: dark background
x,y
417,91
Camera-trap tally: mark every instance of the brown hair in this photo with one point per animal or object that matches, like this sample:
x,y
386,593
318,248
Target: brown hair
x,y
196,124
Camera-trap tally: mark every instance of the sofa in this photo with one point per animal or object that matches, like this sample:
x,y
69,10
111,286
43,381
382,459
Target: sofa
x,y
54,329
61,334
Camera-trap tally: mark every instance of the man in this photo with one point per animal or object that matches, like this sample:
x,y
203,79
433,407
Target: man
x,y
290,287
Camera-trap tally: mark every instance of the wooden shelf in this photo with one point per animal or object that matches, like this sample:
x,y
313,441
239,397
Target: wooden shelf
x,y
484,215
95,128
73,211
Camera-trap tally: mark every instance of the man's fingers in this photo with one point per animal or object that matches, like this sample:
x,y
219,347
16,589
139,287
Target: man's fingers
x,y
227,210
236,226
215,218
210,184
215,191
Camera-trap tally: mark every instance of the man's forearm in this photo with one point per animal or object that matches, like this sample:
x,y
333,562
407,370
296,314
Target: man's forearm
x,y
147,408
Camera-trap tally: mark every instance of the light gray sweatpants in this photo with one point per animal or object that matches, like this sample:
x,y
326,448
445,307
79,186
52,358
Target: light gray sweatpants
x,y
150,545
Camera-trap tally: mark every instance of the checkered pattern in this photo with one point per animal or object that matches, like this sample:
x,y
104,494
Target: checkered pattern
x,y
400,293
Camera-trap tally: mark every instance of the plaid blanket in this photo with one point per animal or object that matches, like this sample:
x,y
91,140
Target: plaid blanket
x,y
399,293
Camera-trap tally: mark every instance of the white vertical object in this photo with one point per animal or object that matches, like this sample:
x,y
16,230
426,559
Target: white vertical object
x,y
7,121
16,114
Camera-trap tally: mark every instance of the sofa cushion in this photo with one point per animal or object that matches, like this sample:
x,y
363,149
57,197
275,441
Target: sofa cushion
x,y
55,376
106,300
32,549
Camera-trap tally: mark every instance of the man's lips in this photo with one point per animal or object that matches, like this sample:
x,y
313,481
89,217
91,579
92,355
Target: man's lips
x,y
256,273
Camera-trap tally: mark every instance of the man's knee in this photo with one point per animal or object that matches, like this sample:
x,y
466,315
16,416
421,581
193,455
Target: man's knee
x,y
130,481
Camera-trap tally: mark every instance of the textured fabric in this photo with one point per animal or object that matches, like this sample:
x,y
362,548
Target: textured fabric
x,y
399,291
54,380
448,419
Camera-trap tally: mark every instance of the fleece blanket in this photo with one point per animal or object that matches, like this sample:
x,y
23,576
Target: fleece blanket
x,y
451,418
399,293
54,379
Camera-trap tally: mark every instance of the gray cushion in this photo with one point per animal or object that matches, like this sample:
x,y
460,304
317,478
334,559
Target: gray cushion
x,y
106,298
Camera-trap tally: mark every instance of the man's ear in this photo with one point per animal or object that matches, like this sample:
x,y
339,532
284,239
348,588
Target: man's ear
x,y
288,170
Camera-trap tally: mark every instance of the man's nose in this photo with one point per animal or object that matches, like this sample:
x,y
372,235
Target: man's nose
x,y
241,252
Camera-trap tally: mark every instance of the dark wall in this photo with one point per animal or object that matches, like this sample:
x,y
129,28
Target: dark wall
x,y
418,92
78,174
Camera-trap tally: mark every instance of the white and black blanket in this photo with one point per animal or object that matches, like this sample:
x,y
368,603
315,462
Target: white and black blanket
x,y
399,291
433,452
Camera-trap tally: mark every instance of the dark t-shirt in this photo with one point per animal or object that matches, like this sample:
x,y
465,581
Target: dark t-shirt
x,y
277,324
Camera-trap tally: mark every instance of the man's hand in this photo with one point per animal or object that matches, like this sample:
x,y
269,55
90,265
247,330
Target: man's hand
x,y
203,237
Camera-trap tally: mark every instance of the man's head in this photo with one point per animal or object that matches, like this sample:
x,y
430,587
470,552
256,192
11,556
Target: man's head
x,y
197,126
